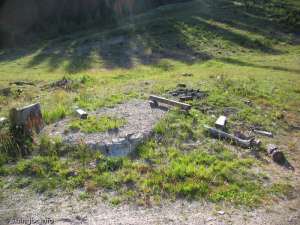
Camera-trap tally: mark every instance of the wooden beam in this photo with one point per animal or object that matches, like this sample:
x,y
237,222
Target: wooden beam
x,y
157,99
216,133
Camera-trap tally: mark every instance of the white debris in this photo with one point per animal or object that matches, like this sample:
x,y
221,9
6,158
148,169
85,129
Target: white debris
x,y
81,113
221,122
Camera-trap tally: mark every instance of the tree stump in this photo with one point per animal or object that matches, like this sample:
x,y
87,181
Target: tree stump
x,y
28,118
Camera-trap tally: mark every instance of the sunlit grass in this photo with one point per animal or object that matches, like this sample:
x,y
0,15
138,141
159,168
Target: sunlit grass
x,y
95,124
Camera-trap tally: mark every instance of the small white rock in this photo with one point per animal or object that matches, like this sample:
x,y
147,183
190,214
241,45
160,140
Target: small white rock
x,y
221,122
221,212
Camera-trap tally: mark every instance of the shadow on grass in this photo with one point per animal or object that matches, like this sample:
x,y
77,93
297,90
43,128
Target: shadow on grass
x,y
166,37
247,64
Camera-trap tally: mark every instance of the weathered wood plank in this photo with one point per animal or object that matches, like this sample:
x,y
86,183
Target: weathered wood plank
x,y
155,98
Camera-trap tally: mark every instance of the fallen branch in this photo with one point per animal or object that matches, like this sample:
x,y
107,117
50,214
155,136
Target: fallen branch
x,y
216,133
264,133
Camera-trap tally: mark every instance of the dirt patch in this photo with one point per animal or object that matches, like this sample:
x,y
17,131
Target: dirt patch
x,y
140,121
69,209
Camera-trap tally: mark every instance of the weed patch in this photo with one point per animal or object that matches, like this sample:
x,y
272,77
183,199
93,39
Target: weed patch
x,y
94,124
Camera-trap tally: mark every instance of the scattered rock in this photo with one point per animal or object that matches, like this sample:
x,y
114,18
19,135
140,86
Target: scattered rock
x,y
72,174
221,212
81,114
248,102
210,219
221,122
276,155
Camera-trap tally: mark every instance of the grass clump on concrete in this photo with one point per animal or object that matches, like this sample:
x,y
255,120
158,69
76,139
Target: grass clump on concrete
x,y
97,124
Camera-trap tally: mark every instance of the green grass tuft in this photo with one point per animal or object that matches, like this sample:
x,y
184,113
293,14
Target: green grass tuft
x,y
94,124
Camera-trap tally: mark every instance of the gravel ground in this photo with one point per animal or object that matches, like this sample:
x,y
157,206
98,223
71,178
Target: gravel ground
x,y
140,120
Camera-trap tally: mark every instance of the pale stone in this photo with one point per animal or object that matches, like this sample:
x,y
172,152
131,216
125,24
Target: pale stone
x,y
221,122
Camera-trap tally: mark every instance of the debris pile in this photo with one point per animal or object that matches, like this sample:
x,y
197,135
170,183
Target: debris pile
x,y
185,94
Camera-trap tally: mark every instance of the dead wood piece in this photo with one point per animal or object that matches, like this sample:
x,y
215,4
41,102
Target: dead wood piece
x,y
185,94
153,104
20,83
276,155
230,137
264,133
170,102
61,83
29,117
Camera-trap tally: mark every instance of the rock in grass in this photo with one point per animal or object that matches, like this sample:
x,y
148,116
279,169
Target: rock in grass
x,y
221,123
3,120
276,155
81,114
29,118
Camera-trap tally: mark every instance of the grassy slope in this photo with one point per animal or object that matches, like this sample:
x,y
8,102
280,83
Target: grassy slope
x,y
233,54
